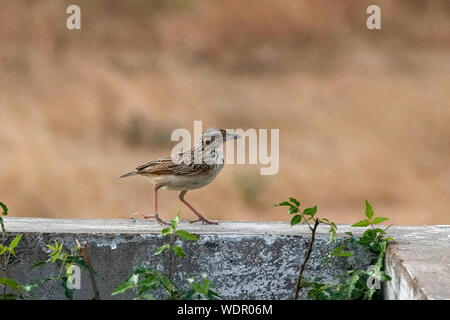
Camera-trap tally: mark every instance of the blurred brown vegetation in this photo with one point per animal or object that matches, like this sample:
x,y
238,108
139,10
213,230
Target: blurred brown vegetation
x,y
362,114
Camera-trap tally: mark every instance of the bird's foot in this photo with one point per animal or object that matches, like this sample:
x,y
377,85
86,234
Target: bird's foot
x,y
203,220
156,216
133,215
161,221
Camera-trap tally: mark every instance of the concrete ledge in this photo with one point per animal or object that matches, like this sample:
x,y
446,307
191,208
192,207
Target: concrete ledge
x,y
419,264
246,260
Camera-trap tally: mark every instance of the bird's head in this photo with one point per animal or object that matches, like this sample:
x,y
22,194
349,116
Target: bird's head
x,y
216,137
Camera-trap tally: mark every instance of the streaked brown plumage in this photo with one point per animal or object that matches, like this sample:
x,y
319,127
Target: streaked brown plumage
x,y
186,174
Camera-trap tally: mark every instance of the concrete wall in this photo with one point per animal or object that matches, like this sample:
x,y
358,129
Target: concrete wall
x,y
419,263
244,260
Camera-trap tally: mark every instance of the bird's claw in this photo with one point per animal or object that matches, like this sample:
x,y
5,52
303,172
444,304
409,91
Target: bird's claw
x,y
157,218
162,222
204,221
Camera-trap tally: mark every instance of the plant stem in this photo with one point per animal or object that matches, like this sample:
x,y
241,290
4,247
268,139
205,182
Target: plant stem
x,y
62,266
85,254
5,268
305,220
308,253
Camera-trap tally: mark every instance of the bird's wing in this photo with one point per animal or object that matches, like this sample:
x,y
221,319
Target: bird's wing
x,y
165,165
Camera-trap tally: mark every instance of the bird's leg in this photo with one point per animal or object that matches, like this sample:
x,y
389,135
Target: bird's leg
x,y
160,221
200,217
156,216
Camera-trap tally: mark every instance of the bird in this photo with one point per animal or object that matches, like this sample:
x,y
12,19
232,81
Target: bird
x,y
192,169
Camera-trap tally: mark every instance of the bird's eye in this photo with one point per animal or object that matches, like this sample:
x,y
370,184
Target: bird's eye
x,y
208,142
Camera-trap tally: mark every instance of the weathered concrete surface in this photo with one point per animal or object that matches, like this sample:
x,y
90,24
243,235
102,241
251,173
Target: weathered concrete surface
x,y
245,260
419,264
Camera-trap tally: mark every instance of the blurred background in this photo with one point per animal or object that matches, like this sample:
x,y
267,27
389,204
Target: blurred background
x,y
362,114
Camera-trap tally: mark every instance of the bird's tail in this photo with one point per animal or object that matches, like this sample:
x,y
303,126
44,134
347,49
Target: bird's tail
x,y
129,174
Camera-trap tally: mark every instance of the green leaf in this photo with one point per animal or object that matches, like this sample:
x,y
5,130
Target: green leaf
x,y
9,282
284,203
37,264
362,223
3,249
150,282
56,255
369,236
212,295
336,250
207,282
174,222
67,291
369,210
332,230
333,235
197,288
369,294
205,285
383,276
122,288
178,251
378,230
344,254
4,212
351,284
294,201
161,249
296,219
146,296
186,235
130,283
4,208
15,242
36,284
202,288
2,225
293,210
166,231
142,270
167,284
81,263
310,211
378,220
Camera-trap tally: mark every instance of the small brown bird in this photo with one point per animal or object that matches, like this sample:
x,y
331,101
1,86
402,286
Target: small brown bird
x,y
192,169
